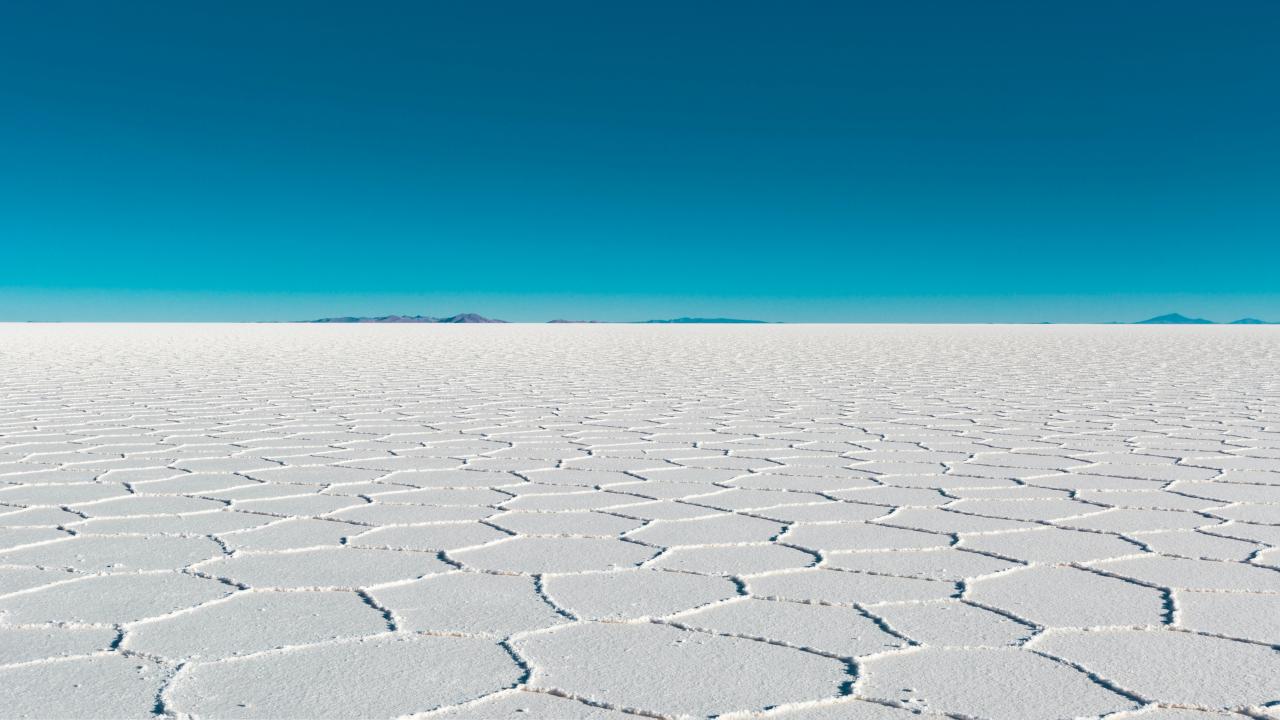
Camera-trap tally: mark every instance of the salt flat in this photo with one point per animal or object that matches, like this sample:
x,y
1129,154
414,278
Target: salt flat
x,y
259,521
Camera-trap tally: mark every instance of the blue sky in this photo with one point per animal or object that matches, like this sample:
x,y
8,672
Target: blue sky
x,y
842,161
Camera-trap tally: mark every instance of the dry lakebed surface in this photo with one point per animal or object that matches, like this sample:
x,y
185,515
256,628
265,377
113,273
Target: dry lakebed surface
x,y
539,521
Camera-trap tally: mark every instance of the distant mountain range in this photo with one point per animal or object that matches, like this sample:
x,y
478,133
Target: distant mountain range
x,y
460,318
1178,319
1174,319
1170,319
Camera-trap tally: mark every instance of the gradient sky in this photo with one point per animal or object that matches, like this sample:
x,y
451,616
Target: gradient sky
x,y
798,161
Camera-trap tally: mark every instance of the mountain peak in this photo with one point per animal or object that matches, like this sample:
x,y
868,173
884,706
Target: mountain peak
x,y
1174,319
469,318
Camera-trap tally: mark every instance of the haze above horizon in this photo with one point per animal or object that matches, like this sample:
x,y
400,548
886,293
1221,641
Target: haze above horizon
x,y
818,162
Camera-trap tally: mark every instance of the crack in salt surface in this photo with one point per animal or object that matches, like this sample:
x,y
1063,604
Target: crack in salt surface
x,y
670,451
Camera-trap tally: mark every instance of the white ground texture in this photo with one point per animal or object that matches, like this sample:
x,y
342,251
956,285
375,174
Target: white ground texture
x,y
795,522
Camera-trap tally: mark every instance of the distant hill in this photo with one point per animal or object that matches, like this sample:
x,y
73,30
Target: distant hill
x,y
460,318
564,322
1174,319
689,320
470,318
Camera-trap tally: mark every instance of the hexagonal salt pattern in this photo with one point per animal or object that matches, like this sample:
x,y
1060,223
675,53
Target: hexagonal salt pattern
x,y
620,521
